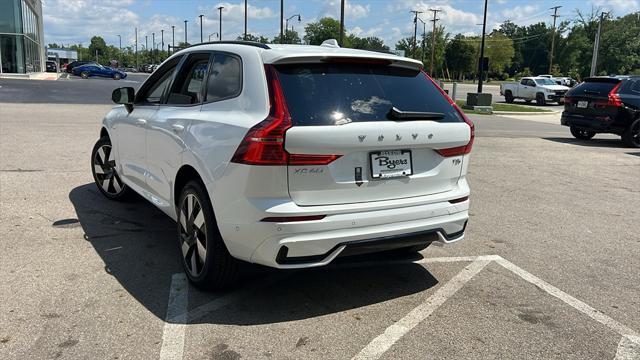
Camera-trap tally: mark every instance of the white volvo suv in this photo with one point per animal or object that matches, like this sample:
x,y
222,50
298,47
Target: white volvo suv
x,y
288,155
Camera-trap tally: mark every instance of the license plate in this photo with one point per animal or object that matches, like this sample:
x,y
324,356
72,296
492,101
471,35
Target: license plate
x,y
583,104
390,164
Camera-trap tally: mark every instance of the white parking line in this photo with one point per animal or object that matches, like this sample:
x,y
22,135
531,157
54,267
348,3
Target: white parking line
x,y
175,319
393,333
628,348
568,299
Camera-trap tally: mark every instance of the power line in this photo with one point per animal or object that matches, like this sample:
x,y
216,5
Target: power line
x,y
433,38
553,35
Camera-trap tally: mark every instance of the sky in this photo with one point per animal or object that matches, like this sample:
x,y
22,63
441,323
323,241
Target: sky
x,y
75,21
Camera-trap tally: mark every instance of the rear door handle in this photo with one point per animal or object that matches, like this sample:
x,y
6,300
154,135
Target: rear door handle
x,y
141,122
177,127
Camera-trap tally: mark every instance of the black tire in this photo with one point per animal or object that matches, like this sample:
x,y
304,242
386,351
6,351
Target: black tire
x,y
582,134
117,76
560,102
103,168
508,97
197,233
84,75
540,100
631,137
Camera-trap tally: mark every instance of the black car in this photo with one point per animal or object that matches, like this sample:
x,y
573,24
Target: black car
x,y
77,63
604,105
51,66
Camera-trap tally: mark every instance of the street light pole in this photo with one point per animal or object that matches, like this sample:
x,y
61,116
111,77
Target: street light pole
x,y
481,62
120,47
220,30
173,38
137,48
201,39
286,23
281,20
341,22
215,33
162,41
245,19
185,32
153,45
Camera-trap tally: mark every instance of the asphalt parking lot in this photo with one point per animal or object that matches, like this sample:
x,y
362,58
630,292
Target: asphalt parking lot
x,y
548,269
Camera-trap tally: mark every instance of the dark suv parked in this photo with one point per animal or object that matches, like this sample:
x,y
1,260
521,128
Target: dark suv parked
x,y
604,105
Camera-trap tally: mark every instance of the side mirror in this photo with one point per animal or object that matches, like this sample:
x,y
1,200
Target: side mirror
x,y
124,96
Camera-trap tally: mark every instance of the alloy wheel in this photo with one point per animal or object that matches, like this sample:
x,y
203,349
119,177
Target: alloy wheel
x,y
104,167
193,234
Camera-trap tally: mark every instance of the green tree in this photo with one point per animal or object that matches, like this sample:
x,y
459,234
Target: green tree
x,y
367,43
256,38
290,37
406,44
321,30
98,48
426,43
499,49
460,56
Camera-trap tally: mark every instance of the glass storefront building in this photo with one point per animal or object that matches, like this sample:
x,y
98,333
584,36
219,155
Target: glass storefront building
x,y
21,36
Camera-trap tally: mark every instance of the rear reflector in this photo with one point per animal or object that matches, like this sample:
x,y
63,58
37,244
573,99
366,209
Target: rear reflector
x,y
281,219
459,200
302,159
458,150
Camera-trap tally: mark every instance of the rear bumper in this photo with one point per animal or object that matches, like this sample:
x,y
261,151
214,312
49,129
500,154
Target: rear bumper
x,y
602,124
317,243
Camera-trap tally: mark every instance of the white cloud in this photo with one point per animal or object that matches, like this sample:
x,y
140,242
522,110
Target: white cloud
x,y
331,8
619,7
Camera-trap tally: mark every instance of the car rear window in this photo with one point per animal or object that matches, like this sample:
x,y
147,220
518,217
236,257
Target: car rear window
x,y
335,94
597,88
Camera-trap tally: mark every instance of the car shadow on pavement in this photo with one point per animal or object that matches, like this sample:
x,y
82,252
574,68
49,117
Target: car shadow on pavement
x,y
137,244
595,142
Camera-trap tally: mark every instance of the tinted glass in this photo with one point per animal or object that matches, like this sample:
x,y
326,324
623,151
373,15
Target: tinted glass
x,y
545,82
634,87
330,94
152,91
225,79
593,88
187,88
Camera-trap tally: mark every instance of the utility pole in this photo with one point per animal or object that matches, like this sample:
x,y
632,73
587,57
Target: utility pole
x,y
281,20
136,48
185,32
596,46
415,30
433,39
340,39
245,20
173,38
553,35
481,62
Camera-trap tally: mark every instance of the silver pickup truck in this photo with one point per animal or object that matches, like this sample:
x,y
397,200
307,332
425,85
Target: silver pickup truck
x,y
540,89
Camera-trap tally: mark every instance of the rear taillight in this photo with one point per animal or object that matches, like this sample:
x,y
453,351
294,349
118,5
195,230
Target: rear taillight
x,y
264,143
614,98
458,150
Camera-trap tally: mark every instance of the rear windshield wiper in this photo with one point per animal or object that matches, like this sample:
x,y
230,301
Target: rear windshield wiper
x,y
395,114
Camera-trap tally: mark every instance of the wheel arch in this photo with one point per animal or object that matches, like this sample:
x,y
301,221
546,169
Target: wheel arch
x,y
185,174
104,132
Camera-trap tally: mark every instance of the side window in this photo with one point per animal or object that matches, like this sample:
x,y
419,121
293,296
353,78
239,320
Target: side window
x,y
635,87
524,82
158,84
187,88
225,79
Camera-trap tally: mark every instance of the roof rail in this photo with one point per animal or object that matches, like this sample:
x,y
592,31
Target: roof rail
x,y
234,42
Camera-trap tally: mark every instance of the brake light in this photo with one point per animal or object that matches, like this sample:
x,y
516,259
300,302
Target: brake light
x,y
458,150
264,143
614,98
